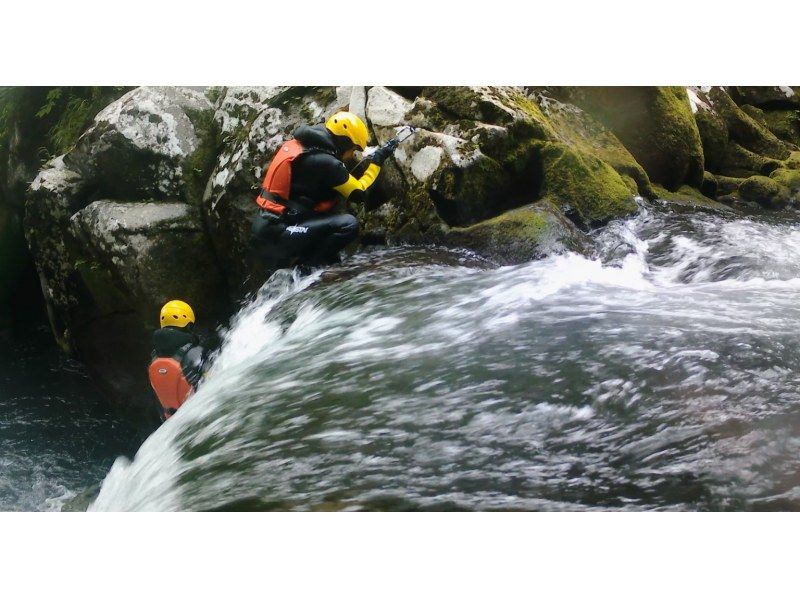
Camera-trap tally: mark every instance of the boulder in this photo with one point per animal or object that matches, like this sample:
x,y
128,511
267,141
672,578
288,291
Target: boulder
x,y
585,187
655,124
690,197
147,253
738,161
764,191
771,97
746,130
789,178
520,235
579,130
784,124
481,151
141,145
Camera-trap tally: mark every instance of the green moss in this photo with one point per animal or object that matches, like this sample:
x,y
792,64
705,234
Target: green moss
x,y
787,177
581,131
655,124
757,114
519,235
728,184
714,136
747,131
689,196
764,191
198,167
631,184
793,161
741,162
584,183
784,124
710,185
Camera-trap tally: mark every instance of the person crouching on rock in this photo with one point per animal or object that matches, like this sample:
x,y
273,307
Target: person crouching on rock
x,y
302,186
178,357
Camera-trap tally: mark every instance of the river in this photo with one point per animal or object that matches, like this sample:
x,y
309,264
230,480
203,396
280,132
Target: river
x,y
58,434
661,374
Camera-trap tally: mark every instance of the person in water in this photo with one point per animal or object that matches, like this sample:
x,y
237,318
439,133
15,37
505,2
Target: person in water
x,y
178,357
303,184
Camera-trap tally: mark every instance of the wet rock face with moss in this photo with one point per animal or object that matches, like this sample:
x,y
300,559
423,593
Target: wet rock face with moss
x,y
764,191
654,123
748,134
140,144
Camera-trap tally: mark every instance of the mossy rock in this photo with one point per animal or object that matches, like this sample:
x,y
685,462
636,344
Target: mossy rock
x,y
757,114
793,161
520,235
784,124
789,178
710,185
714,136
767,96
583,184
580,130
466,195
689,197
654,123
741,162
764,191
726,185
467,103
746,130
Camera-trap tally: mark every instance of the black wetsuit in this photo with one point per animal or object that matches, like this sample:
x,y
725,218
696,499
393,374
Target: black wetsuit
x,y
184,347
302,234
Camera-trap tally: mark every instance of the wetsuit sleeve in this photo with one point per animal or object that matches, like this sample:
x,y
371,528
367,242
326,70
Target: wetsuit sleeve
x,y
192,365
360,185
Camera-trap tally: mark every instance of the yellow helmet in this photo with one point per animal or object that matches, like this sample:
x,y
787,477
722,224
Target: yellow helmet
x,y
347,124
176,313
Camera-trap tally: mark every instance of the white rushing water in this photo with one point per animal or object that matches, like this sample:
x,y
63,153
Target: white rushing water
x,y
659,374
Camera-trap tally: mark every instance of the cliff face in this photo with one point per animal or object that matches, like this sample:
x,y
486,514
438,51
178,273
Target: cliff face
x,y
154,200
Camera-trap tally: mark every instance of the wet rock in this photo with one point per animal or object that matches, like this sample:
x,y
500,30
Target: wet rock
x,y
655,124
148,253
789,178
767,192
746,130
521,235
690,197
784,124
774,97
584,185
140,144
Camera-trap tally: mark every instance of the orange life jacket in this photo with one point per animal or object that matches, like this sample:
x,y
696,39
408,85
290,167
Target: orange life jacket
x,y
170,385
278,180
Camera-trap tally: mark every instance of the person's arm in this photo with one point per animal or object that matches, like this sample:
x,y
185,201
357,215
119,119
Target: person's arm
x,y
192,365
358,186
